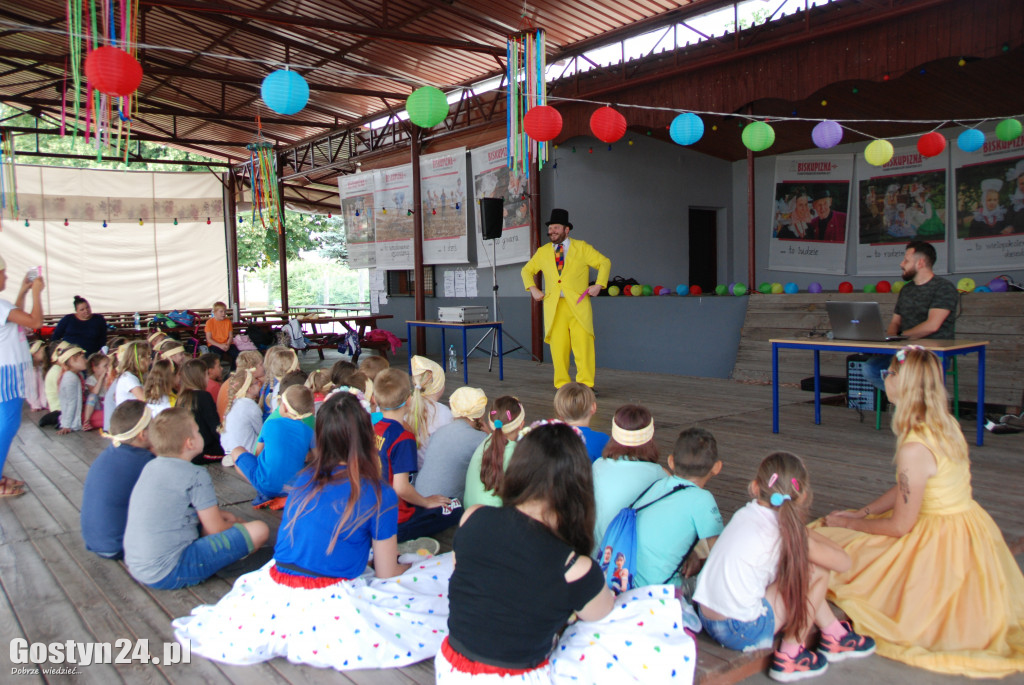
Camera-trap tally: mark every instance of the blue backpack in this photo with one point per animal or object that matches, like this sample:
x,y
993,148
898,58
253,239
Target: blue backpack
x,y
617,554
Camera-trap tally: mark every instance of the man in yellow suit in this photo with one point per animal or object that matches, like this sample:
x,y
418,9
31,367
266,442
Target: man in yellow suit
x,y
568,318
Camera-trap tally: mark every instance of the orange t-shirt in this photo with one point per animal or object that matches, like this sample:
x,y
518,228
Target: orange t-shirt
x,y
218,331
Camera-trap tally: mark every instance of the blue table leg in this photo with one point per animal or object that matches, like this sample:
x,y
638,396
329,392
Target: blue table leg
x,y
408,334
775,388
981,397
501,356
817,387
465,365
444,348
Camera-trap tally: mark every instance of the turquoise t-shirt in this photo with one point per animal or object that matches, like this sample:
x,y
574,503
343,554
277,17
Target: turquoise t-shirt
x,y
667,530
475,491
617,482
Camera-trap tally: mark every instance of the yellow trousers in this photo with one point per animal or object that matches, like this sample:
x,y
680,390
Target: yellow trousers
x,y
567,334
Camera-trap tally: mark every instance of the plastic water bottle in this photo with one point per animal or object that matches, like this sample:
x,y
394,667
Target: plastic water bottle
x,y
453,362
138,322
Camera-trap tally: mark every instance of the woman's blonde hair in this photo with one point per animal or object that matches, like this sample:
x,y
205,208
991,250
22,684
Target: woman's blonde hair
x,y
923,401
160,381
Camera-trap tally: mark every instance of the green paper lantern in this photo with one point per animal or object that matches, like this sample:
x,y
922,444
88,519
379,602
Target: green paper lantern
x,y
765,288
758,136
647,290
427,107
721,289
869,288
1008,129
739,290
777,289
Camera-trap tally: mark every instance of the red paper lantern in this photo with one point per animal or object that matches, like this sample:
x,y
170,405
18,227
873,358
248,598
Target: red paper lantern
x,y
696,290
113,71
542,123
608,125
846,287
883,287
931,144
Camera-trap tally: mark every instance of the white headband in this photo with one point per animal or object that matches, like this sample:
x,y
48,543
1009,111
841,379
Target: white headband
x,y
127,436
633,438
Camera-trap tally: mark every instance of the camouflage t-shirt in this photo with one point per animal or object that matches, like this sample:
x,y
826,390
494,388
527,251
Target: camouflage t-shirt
x,y
915,301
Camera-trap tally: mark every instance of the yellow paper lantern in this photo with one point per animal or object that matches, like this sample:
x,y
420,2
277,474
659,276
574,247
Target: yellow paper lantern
x,y
878,152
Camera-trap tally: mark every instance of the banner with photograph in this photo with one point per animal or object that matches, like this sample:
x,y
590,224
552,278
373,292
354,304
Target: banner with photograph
x,y
392,217
903,200
357,209
990,206
444,211
493,178
810,214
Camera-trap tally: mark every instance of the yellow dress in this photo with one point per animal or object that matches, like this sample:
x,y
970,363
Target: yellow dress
x,y
947,596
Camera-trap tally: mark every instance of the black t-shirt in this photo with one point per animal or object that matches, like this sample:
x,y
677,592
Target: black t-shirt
x,y
508,596
915,301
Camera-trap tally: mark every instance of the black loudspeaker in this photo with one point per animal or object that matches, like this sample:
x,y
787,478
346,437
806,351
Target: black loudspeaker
x,y
491,219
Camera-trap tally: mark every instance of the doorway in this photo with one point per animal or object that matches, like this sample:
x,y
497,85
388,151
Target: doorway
x,y
704,248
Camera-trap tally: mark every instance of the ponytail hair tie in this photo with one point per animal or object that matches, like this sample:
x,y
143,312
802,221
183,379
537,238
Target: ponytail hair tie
x,y
497,423
778,498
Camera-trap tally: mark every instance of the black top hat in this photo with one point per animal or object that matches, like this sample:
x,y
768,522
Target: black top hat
x,y
559,216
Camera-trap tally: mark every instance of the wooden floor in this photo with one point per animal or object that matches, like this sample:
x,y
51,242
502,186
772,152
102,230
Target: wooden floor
x,y
54,590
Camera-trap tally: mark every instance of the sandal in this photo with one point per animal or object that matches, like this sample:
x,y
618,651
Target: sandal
x,y
8,489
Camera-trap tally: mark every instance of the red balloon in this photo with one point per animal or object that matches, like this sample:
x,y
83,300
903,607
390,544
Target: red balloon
x,y
607,124
542,123
696,290
931,144
846,287
883,287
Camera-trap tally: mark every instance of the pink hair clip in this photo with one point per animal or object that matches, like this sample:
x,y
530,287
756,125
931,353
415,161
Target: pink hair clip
x,y
771,481
509,413
796,484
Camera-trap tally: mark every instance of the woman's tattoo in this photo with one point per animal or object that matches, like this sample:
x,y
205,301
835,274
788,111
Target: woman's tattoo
x,y
904,483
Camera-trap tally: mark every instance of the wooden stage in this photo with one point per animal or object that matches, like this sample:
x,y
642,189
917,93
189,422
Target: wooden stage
x,y
54,590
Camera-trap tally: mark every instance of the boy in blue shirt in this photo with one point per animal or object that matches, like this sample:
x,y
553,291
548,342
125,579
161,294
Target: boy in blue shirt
x,y
281,449
667,531
576,404
109,483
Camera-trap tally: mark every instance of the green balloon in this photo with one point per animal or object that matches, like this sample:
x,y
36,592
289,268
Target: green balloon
x,y
721,289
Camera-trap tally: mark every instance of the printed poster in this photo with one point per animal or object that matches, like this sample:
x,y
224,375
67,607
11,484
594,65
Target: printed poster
x,y
493,178
392,217
903,200
810,214
990,206
444,211
357,209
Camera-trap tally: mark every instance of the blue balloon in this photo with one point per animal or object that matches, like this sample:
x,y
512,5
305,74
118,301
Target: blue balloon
x,y
682,290
970,140
686,129
792,288
285,92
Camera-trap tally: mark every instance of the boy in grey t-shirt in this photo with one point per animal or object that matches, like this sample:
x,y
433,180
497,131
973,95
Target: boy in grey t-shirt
x,y
176,535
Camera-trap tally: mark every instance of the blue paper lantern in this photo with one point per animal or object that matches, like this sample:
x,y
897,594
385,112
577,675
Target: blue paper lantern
x,y
285,92
682,290
686,129
792,288
827,134
970,140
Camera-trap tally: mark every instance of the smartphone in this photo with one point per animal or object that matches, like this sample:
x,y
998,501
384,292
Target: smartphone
x,y
34,273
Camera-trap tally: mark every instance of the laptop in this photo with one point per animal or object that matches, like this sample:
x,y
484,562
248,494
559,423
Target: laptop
x,y
857,321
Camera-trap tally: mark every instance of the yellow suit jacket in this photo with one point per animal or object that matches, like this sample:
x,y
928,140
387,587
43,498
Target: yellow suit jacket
x,y
575,278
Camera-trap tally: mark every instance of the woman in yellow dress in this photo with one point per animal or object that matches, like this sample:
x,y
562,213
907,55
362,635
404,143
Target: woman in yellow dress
x,y
932,580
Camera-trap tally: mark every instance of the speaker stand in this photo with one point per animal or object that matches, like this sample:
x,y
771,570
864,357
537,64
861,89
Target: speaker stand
x,y
491,333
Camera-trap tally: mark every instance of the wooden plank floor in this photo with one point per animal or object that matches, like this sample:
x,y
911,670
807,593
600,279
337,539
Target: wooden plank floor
x,y
54,590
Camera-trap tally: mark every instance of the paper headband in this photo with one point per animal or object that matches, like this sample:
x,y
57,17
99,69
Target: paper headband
x,y
244,388
68,353
286,405
512,425
171,351
633,438
130,435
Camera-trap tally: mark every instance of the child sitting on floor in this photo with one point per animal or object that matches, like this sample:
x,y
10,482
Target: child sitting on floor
x,y
676,512
159,386
109,483
768,574
317,589
194,398
51,384
176,535
35,380
96,388
523,572
373,364
133,363
319,383
213,373
72,361
279,361
283,446
297,377
576,404
426,413
417,515
248,359
241,427
447,457
486,468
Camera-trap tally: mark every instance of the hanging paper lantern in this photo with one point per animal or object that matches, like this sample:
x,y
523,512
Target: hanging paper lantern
x,y
827,134
686,129
970,140
878,152
113,71
285,92
758,136
427,107
931,144
608,125
1008,129
542,123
